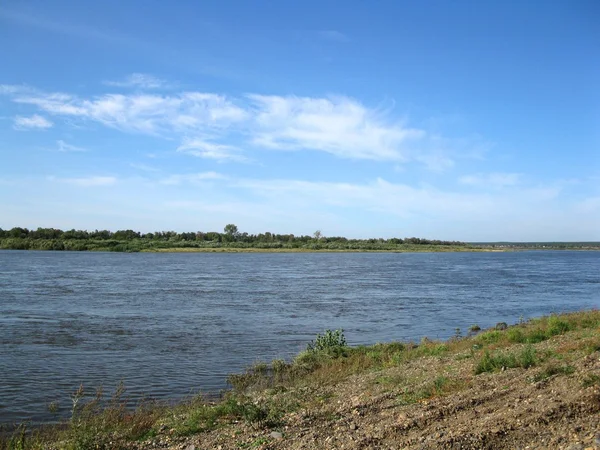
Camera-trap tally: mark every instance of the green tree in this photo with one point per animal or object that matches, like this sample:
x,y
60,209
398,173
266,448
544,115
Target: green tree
x,y
231,230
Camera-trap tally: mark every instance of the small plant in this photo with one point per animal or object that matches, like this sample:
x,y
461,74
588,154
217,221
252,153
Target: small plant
x,y
278,365
474,328
18,440
515,335
53,407
591,380
553,369
489,362
457,333
75,399
489,337
330,341
556,326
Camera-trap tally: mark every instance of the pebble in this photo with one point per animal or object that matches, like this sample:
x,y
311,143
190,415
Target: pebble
x,y
276,435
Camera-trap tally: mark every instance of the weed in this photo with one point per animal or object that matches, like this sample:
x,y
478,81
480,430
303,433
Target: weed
x,y
18,440
556,326
591,379
330,341
493,362
489,337
515,335
53,407
258,442
553,369
439,386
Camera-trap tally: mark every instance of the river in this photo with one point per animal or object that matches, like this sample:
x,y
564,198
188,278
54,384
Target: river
x,y
170,325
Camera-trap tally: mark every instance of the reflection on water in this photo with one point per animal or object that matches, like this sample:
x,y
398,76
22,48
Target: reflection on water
x,y
172,324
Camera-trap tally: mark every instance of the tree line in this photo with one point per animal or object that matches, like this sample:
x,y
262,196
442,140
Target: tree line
x,y
129,240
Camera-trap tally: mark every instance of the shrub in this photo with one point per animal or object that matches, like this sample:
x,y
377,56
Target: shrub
x,y
515,335
330,341
489,337
557,326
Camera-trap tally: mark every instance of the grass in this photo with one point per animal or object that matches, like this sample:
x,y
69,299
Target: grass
x,y
492,362
264,394
553,369
591,379
441,385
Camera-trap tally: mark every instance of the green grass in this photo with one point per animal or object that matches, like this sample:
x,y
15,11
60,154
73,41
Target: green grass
x,y
441,385
493,362
553,369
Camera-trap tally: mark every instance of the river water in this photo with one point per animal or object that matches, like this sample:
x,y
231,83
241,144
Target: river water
x,y
170,325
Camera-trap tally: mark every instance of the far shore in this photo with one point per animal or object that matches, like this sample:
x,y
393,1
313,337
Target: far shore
x,y
306,250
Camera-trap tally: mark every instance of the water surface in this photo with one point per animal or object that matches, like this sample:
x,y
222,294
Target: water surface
x,y
169,325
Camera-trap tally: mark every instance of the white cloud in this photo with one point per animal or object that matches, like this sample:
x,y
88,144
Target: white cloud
x,y
493,180
402,200
338,125
143,113
192,178
207,124
34,122
64,147
144,167
86,181
209,150
140,80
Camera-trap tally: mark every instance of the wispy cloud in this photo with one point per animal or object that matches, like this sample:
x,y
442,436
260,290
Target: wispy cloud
x,y
225,128
144,167
192,178
64,147
139,80
144,113
209,150
404,201
491,180
339,125
35,122
76,30
91,181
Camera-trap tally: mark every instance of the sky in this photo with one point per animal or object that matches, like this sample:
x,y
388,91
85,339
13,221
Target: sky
x,y
472,121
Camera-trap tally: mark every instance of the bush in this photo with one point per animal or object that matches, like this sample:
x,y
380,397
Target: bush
x,y
331,341
557,326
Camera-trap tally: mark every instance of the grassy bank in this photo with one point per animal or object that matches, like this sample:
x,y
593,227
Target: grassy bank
x,y
536,381
231,239
389,249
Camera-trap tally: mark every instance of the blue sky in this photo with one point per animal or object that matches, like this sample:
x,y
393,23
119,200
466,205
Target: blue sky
x,y
452,120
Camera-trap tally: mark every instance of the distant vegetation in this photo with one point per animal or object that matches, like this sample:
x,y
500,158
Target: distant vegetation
x,y
231,238
539,245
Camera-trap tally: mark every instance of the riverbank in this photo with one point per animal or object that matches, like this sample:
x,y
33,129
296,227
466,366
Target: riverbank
x,y
407,249
536,383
